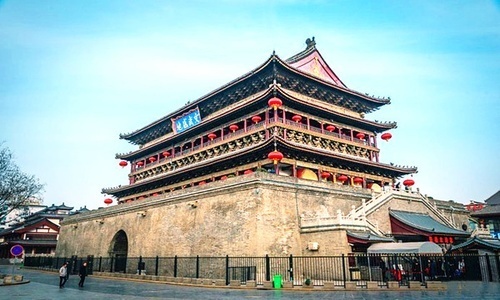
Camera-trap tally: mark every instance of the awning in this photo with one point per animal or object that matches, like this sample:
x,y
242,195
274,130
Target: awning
x,y
414,247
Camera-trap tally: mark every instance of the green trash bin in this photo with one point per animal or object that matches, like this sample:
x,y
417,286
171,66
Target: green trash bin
x,y
277,283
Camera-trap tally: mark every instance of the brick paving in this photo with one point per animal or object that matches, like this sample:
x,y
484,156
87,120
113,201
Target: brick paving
x,y
44,285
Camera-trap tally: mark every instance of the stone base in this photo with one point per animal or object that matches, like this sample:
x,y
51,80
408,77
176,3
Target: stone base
x,y
393,285
351,285
288,285
435,285
220,282
414,285
372,285
234,283
268,285
251,284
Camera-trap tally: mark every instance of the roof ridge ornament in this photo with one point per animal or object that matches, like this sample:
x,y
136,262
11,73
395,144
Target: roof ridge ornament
x,y
310,43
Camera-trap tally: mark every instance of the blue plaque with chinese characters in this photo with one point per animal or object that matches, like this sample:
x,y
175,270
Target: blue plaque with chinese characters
x,y
186,121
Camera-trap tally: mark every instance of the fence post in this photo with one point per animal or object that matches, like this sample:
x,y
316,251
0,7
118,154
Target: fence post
x,y
156,267
488,267
290,263
175,266
100,263
197,266
497,262
268,268
343,270
111,264
227,269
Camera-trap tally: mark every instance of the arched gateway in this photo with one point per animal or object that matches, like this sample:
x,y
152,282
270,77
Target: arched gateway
x,y
118,251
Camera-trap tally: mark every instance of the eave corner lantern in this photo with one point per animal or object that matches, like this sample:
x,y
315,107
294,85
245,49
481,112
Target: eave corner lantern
x,y
408,182
275,102
275,156
108,201
166,154
123,163
325,174
386,136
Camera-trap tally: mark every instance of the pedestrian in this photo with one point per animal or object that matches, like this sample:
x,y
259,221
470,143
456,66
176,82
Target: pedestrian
x,y
68,270
63,272
82,273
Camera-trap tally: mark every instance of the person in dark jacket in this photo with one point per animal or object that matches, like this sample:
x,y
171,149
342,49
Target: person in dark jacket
x,y
82,273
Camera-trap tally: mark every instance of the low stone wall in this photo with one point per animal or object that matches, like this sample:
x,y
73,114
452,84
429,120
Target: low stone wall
x,y
328,286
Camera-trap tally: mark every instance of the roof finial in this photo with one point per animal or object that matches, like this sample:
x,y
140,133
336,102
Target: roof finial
x,y
310,43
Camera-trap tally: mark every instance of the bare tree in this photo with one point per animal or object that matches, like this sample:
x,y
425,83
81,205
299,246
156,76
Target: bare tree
x,y
16,187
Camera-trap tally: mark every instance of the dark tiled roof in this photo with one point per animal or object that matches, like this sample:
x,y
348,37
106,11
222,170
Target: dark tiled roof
x,y
425,222
369,237
32,242
494,199
486,243
489,210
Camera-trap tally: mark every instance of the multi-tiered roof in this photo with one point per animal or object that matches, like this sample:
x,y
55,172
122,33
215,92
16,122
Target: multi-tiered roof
x,y
320,126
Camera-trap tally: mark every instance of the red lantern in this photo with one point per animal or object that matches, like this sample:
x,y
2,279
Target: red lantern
x,y
358,180
233,127
166,154
275,102
202,182
330,128
223,177
256,119
325,175
248,172
141,198
446,240
360,135
212,136
276,156
430,238
297,118
140,163
108,201
342,178
152,159
450,239
123,164
408,182
386,136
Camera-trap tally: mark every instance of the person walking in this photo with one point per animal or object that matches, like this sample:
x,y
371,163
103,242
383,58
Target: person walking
x,y
82,273
63,272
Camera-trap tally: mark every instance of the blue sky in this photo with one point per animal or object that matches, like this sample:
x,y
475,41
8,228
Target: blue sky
x,y
76,74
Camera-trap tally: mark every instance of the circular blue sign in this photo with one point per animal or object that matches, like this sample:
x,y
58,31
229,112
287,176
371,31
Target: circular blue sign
x,y
17,250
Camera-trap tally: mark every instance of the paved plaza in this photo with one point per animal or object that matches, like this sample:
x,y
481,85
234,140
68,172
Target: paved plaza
x,y
44,285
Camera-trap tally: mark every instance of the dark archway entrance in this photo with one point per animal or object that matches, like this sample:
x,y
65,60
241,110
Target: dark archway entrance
x,y
119,249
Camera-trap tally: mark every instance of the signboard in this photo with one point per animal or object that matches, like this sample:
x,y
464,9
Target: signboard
x,y
186,121
17,250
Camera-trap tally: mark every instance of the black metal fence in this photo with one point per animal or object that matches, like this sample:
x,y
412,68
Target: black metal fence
x,y
298,270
